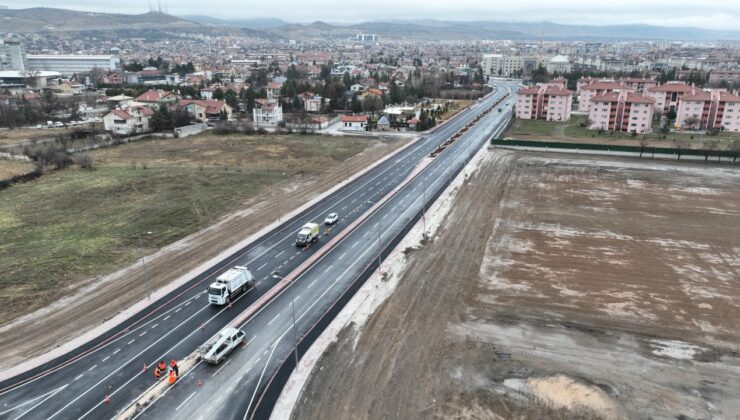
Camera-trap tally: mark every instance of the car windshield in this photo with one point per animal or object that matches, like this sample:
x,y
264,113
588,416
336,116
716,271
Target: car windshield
x,y
215,291
301,237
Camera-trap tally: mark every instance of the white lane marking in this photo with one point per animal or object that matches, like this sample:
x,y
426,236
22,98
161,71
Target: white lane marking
x,y
261,267
353,245
310,285
92,367
353,201
131,341
258,360
47,395
285,262
142,334
344,207
106,358
343,255
366,233
220,369
185,401
168,317
177,310
253,338
296,298
328,268
79,376
117,350
273,320
274,346
189,302
155,325
291,258
279,254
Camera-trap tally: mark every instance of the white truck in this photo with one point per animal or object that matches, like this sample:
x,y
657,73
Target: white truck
x,y
308,233
229,284
216,349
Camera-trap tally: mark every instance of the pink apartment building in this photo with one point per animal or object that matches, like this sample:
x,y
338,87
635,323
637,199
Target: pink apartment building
x,y
639,85
713,109
667,95
544,102
597,89
624,111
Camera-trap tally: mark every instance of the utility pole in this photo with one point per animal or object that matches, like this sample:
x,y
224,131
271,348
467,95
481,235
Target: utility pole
x,y
143,264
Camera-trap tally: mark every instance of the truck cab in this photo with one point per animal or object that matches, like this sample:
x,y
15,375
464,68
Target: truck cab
x,y
308,233
229,284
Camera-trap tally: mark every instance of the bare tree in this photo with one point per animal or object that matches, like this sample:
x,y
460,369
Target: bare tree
x,y
691,123
709,146
680,146
643,144
372,104
734,147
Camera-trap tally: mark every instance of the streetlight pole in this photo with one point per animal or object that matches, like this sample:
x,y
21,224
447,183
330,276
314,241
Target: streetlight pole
x,y
143,264
380,270
277,275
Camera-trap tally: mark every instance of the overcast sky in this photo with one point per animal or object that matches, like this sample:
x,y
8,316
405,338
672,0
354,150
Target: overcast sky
x,y
709,14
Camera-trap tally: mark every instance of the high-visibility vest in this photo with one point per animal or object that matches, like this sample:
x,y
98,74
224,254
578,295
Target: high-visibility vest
x,y
157,373
172,377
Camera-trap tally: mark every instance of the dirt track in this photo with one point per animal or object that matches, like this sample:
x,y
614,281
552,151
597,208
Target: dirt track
x,y
46,329
559,287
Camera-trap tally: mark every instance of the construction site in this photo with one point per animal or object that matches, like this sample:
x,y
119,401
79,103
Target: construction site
x,y
555,286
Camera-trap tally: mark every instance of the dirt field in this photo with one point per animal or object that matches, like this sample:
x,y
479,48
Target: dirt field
x,y
10,168
60,233
576,287
19,135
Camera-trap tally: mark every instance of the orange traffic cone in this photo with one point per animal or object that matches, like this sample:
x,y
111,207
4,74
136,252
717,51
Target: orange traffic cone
x,y
172,378
106,399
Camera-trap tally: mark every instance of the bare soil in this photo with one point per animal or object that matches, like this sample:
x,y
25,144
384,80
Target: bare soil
x,y
77,313
559,287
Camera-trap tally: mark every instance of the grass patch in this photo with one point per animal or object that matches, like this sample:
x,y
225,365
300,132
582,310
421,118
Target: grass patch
x,y
572,131
74,224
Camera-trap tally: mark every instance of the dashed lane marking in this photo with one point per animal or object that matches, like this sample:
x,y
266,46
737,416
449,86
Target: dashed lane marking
x,y
117,350
185,401
106,358
154,326
328,268
79,376
261,267
220,369
142,334
131,341
273,320
92,367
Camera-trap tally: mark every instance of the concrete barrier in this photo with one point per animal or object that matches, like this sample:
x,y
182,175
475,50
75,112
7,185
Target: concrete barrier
x,y
190,130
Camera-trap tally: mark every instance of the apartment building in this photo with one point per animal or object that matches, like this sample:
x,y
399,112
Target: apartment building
x,y
639,85
500,65
709,109
624,111
595,89
544,102
667,95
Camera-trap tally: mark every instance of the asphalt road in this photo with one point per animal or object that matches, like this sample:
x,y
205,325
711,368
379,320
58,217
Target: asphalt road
x,y
104,376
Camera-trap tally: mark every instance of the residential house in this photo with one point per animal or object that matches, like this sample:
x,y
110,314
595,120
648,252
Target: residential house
x,y
312,102
110,79
623,110
544,102
353,122
206,109
128,122
267,113
273,90
156,97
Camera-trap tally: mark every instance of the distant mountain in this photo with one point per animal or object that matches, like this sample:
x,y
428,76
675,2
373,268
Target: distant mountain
x,y
39,19
255,23
448,30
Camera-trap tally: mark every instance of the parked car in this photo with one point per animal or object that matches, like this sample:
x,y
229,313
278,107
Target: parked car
x,y
331,218
59,124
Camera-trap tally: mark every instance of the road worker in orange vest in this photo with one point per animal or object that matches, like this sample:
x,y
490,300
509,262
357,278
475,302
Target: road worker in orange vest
x,y
173,366
172,377
157,373
163,366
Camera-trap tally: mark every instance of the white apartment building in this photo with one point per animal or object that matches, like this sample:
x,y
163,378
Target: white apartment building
x,y
499,65
68,65
267,113
597,89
